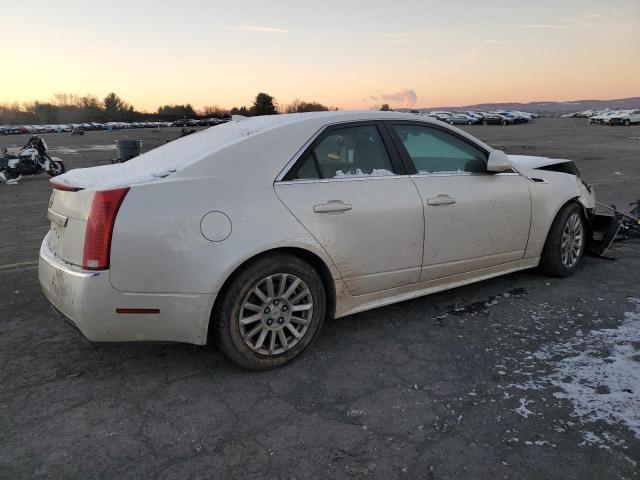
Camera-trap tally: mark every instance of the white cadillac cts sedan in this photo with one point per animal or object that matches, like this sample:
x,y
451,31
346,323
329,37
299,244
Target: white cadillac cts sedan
x,y
252,232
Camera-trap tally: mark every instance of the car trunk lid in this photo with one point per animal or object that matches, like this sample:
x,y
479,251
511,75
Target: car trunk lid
x,y
68,212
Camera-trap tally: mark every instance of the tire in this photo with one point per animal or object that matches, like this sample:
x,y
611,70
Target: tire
x,y
568,226
627,122
504,123
57,171
247,345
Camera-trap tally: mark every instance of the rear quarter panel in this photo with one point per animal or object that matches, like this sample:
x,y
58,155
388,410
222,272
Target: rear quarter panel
x,y
158,246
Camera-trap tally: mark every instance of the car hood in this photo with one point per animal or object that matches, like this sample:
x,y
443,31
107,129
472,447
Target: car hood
x,y
526,161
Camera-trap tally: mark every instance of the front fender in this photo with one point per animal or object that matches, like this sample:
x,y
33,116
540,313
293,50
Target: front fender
x,y
550,191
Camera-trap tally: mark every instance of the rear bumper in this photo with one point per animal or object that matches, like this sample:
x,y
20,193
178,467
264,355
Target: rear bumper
x,y
89,302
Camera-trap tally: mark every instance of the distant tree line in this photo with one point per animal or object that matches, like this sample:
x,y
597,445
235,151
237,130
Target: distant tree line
x,y
65,108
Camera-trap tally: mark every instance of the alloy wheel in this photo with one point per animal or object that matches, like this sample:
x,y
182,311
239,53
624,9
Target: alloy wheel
x,y
275,315
572,240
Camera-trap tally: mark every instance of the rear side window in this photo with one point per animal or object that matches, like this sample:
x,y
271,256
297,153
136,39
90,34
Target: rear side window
x,y
346,152
306,169
434,151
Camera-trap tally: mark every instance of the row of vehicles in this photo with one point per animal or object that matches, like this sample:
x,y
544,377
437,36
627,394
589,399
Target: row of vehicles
x,y
609,116
91,126
617,117
472,117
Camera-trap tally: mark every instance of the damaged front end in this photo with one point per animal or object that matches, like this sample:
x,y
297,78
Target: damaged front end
x,y
613,226
606,227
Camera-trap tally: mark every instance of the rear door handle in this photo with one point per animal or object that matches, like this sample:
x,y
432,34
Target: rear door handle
x,y
332,206
441,200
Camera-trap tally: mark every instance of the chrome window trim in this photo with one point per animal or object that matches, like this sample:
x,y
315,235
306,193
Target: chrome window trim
x,y
343,179
469,174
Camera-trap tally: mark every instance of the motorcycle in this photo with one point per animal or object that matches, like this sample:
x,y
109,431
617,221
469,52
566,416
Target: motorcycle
x,y
31,160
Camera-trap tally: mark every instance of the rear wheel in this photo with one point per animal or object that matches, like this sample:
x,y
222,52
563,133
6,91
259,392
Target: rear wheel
x,y
270,312
565,243
56,168
627,122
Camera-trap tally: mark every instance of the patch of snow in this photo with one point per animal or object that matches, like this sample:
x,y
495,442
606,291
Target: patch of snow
x,y
598,372
591,438
377,172
354,412
175,155
605,387
542,443
522,410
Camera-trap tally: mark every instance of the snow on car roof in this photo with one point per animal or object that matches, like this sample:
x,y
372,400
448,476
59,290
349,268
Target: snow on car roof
x,y
179,154
173,156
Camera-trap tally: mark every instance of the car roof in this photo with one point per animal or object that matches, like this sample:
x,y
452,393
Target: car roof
x,y
264,143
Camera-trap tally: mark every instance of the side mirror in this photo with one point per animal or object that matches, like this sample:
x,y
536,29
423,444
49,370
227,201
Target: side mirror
x,y
498,161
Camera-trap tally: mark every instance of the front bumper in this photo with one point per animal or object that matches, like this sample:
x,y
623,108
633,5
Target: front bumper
x,y
88,300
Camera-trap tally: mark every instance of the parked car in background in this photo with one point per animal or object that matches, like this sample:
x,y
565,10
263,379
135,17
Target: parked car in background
x,y
477,115
603,118
461,119
512,117
525,117
440,115
287,219
494,118
626,118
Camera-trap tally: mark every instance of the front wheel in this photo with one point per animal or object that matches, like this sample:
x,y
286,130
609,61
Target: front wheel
x,y
270,312
56,167
565,243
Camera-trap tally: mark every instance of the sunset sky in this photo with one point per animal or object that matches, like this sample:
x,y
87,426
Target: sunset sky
x,y
344,53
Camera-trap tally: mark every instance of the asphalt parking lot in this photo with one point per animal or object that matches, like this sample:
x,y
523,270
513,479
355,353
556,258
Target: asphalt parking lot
x,y
519,377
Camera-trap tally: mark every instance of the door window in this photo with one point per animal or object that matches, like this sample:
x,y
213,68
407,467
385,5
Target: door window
x,y
435,151
346,152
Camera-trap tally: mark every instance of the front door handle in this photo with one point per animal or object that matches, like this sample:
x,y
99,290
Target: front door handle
x,y
441,200
332,206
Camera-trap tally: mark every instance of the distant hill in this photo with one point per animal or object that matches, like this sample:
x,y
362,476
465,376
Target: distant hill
x,y
548,107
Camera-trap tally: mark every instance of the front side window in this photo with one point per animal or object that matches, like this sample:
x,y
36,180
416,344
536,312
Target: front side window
x,y
346,152
435,151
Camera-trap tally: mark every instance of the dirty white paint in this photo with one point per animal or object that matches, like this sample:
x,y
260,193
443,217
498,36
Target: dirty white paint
x,y
375,251
215,226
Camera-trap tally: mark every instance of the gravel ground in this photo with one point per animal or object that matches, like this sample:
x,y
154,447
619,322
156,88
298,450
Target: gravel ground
x,y
517,377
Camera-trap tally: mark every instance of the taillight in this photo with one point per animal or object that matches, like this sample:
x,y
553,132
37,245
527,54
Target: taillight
x,y
97,239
